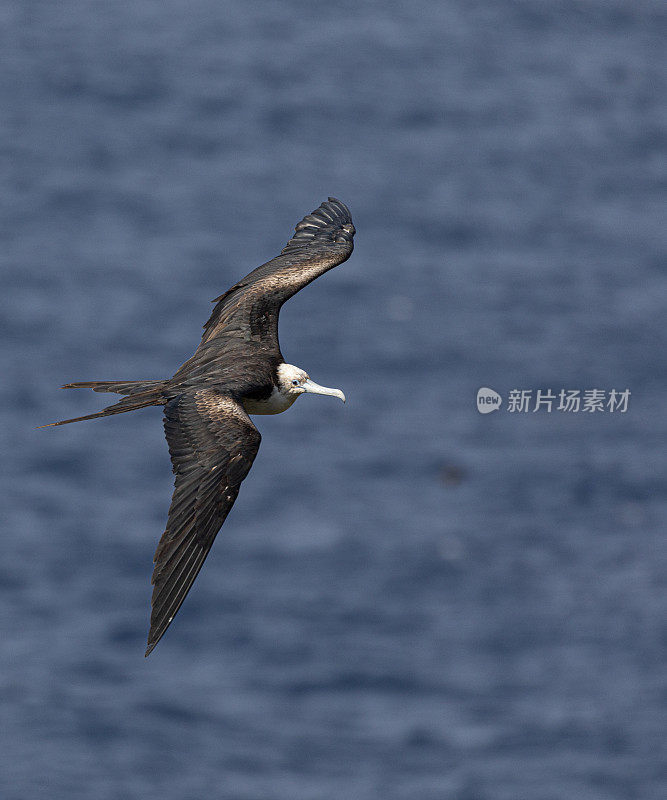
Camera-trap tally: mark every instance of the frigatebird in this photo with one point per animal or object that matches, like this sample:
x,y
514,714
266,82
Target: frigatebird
x,y
237,370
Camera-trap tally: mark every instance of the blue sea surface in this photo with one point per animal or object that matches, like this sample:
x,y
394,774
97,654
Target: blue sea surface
x,y
410,600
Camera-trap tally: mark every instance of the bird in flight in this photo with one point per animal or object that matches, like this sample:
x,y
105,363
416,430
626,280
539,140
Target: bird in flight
x,y
237,370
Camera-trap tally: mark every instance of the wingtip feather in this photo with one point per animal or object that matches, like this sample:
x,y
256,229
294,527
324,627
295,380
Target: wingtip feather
x,y
331,221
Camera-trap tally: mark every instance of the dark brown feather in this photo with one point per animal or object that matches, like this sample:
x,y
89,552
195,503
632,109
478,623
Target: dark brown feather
x,y
212,444
321,241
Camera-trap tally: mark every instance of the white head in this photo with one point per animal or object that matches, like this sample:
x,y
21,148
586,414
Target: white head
x,y
293,381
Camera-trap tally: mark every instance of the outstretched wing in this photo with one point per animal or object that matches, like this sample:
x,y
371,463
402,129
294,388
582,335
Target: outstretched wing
x,y
212,444
321,240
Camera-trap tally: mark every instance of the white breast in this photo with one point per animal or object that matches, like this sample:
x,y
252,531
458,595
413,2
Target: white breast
x,y
276,403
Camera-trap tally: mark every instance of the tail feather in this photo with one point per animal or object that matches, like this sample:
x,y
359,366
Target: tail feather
x,y
140,394
118,387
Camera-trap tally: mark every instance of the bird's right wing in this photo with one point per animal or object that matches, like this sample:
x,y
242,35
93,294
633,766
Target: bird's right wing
x,y
321,241
212,444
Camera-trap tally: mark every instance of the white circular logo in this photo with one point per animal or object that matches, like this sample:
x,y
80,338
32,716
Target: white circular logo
x,y
488,400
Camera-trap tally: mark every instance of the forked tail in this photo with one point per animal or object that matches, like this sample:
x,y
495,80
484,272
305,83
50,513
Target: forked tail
x,y
139,394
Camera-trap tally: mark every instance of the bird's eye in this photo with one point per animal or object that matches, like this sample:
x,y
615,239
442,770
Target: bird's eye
x,y
295,382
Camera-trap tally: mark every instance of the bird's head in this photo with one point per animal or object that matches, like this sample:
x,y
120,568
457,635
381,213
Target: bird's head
x,y
293,381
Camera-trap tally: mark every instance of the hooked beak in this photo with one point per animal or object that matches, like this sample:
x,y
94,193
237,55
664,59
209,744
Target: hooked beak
x,y
315,388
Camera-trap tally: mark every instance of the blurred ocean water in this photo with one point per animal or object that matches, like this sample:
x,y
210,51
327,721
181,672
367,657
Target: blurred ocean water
x,y
409,600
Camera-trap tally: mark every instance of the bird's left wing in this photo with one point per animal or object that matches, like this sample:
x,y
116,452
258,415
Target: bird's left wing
x,y
322,240
212,444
